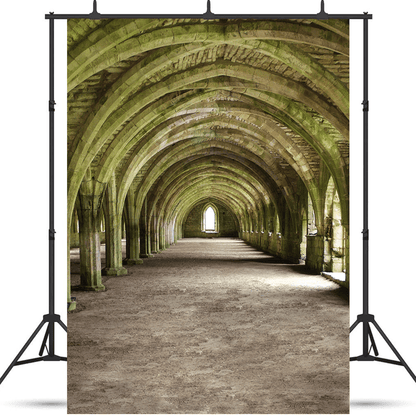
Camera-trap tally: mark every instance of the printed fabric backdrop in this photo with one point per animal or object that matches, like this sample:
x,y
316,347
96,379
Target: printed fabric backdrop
x,y
208,209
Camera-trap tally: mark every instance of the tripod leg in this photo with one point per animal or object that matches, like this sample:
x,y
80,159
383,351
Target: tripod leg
x,y
63,325
373,343
22,351
354,325
42,348
394,350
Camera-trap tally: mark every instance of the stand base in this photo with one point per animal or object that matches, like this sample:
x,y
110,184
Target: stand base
x,y
366,319
50,319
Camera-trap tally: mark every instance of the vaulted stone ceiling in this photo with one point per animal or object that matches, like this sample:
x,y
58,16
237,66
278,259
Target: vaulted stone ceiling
x,y
181,111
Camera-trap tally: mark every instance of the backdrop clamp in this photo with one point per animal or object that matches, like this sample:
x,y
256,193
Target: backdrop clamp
x,y
94,15
323,14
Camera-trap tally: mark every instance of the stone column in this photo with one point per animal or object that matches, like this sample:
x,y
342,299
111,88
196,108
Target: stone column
x,y
264,229
161,236
154,235
133,244
174,235
70,302
144,233
314,252
347,252
132,231
74,222
113,248
90,195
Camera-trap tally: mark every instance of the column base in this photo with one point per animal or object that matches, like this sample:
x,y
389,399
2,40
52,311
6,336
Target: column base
x,y
132,262
113,271
72,306
99,288
146,256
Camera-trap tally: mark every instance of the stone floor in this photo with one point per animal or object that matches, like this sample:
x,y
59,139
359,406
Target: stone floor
x,y
210,326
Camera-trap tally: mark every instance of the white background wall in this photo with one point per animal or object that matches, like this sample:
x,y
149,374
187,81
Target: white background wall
x,y
40,388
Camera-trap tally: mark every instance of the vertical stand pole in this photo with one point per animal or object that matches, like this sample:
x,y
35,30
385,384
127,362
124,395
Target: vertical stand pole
x,y
51,181
365,188
365,318
51,318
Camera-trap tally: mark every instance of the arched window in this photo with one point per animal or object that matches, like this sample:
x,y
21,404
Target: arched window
x,y
209,219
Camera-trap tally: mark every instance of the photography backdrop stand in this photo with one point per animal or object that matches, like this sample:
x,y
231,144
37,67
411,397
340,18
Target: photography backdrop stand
x,y
51,318
365,318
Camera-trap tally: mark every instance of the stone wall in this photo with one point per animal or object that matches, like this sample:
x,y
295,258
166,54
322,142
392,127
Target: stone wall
x,y
275,244
227,226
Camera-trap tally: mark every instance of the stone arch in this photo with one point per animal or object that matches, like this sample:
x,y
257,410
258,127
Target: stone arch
x,y
85,61
125,112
